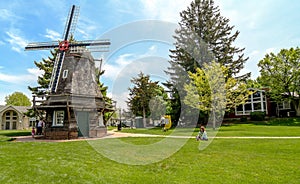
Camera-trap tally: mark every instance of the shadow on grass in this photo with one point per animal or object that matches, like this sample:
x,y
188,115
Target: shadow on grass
x,y
14,133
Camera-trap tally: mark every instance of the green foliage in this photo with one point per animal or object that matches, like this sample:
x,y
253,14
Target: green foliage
x,y
281,73
203,35
203,29
243,119
17,99
208,91
43,81
147,97
257,116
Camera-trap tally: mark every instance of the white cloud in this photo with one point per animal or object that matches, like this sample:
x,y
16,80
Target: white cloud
x,y
53,35
269,50
86,27
17,42
253,53
6,15
30,76
167,10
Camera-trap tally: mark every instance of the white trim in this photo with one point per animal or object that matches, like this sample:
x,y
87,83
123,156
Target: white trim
x,y
58,121
253,101
65,74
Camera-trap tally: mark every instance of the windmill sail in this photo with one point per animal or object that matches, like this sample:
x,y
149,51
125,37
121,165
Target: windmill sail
x,y
56,71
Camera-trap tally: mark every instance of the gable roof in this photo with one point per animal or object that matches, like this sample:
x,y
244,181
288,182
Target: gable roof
x,y
20,109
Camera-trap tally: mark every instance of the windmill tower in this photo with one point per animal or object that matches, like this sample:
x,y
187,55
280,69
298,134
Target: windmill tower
x,y
74,104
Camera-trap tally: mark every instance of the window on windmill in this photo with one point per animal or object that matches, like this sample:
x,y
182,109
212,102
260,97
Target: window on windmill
x,y
65,74
58,118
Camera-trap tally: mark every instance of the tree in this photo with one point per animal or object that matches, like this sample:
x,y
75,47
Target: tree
x,y
17,99
281,73
140,95
203,36
209,92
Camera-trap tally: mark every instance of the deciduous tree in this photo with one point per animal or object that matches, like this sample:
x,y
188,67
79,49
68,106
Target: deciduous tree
x,y
17,99
281,73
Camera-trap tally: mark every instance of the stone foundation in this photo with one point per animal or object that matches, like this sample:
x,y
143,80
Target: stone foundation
x,y
60,133
98,132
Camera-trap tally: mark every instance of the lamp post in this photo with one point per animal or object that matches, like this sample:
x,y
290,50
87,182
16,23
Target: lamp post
x,y
120,116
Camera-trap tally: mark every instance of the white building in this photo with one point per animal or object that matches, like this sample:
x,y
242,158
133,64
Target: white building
x,y
13,118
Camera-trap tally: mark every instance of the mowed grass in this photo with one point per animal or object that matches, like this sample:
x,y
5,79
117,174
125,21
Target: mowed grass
x,y
223,161
285,127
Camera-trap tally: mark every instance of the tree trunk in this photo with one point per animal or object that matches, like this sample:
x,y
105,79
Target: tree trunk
x,y
297,107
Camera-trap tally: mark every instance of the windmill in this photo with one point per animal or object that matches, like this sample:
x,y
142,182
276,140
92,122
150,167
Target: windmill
x,y
70,111
64,46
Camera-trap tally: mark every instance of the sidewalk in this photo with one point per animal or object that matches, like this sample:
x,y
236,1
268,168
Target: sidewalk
x,y
116,134
110,134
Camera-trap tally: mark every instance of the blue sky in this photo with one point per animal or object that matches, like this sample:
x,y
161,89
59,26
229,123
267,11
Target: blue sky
x,y
265,26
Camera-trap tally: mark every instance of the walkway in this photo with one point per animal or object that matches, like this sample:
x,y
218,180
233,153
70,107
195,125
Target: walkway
x,y
116,134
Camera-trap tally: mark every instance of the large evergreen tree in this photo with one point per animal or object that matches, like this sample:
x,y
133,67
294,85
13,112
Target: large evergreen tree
x,y
203,36
43,81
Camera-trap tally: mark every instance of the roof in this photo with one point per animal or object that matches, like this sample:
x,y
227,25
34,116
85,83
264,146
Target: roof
x,y
20,109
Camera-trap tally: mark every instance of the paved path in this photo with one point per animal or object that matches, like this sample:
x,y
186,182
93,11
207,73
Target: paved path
x,y
116,134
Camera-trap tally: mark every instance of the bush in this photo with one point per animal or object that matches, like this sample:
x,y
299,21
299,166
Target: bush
x,y
243,119
257,116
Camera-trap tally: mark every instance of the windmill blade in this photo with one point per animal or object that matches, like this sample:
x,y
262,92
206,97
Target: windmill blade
x,y
77,49
90,43
41,45
71,22
56,71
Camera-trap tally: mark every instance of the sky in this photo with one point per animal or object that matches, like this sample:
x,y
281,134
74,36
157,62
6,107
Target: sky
x,y
140,32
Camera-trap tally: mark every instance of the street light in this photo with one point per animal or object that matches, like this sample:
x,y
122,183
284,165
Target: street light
x,y
120,116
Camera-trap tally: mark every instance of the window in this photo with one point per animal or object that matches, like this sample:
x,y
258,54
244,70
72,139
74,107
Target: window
x,y
284,105
11,119
58,118
65,74
255,102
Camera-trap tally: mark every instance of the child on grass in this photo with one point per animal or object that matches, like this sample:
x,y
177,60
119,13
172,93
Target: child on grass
x,y
202,134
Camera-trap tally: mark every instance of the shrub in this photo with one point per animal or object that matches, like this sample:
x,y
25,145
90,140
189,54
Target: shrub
x,y
243,119
257,116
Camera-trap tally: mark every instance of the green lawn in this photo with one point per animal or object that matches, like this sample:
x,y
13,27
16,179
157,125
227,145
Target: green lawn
x,y
223,161
277,127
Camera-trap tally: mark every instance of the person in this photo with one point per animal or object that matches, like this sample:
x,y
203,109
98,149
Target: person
x,y
33,132
40,127
202,135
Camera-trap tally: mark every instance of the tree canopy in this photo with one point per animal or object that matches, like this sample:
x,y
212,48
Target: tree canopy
x,y
17,99
281,73
203,36
209,92
146,95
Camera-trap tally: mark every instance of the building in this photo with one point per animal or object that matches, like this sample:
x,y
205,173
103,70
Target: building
x,y
259,101
13,118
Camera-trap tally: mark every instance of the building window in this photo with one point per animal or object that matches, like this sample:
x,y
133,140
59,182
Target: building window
x,y
256,102
284,105
11,119
58,118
